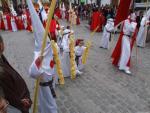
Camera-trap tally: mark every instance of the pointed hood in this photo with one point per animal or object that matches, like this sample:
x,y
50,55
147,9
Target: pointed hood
x,y
70,6
42,11
47,64
37,26
63,7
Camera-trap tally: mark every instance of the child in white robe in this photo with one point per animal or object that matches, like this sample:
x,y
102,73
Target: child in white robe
x,y
109,27
79,50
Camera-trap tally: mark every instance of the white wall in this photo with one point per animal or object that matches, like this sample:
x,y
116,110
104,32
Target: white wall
x,y
89,1
104,2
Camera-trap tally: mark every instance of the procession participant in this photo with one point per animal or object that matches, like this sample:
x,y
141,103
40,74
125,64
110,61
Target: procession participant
x,y
13,87
8,19
66,53
5,21
14,21
2,27
52,29
96,20
28,16
59,37
79,49
109,27
141,37
24,19
63,11
66,56
47,95
20,23
42,66
74,18
77,17
122,53
27,20
70,15
58,13
42,13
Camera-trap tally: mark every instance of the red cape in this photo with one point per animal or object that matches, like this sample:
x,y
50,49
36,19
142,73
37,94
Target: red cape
x,y
28,17
96,21
29,23
2,26
52,25
78,20
8,18
123,11
58,13
67,15
53,29
117,51
20,25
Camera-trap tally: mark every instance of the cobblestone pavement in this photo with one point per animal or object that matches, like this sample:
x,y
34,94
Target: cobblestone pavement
x,y
102,88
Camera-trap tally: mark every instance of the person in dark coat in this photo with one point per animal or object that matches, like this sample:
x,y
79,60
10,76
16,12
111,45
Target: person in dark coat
x,y
13,87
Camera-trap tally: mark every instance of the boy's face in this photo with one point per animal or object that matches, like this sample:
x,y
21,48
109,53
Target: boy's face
x,y
81,43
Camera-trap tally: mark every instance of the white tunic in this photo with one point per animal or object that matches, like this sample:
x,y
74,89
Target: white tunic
x,y
128,29
24,19
63,9
13,24
46,102
141,37
79,50
66,56
109,27
5,22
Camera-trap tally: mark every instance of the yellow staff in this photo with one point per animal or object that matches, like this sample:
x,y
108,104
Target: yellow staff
x,y
72,57
50,14
58,63
88,45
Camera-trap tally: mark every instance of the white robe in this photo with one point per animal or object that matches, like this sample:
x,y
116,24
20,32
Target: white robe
x,y
46,102
5,22
79,52
59,38
63,12
141,37
66,56
24,19
128,29
13,24
109,27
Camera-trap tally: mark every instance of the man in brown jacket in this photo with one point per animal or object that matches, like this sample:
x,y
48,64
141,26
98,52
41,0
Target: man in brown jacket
x,y
13,87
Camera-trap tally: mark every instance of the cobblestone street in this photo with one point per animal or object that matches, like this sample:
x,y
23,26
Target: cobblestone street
x,y
102,88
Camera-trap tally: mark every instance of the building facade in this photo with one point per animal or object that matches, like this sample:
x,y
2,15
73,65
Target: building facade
x,y
141,4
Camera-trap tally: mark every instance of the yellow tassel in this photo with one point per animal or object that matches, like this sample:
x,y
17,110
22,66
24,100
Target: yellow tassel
x,y
86,52
72,58
57,61
88,45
